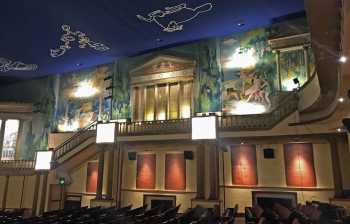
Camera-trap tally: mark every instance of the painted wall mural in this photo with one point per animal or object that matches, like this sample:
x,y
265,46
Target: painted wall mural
x,y
292,65
121,108
249,68
81,98
208,77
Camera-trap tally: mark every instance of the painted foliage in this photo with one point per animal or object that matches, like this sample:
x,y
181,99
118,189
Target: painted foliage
x,y
249,71
208,77
82,98
121,90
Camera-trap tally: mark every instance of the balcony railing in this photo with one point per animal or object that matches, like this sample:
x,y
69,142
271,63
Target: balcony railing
x,y
17,164
78,138
176,126
287,106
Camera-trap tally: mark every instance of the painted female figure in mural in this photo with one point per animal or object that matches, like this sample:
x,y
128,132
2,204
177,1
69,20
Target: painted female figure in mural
x,y
257,92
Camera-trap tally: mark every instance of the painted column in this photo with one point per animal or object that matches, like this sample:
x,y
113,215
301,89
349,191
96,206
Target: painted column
x,y
167,92
306,61
101,162
2,132
278,66
19,141
156,99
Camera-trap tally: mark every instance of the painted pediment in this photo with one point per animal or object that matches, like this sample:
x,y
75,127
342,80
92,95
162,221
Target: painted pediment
x,y
162,64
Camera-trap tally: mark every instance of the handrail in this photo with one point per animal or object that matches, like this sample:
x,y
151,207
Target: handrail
x,y
17,164
79,137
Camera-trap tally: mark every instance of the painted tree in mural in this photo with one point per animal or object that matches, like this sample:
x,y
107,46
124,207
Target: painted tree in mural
x,y
121,92
36,138
209,77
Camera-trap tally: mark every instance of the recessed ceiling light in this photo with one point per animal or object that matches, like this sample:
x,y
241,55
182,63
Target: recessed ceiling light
x,y
341,99
343,59
240,24
78,64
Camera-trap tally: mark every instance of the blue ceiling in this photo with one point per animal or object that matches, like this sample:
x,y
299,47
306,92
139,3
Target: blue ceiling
x,y
29,29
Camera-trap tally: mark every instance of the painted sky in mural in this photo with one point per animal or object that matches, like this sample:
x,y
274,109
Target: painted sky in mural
x,y
81,99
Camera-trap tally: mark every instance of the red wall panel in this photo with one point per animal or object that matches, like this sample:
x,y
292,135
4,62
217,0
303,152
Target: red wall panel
x,y
175,171
299,161
244,168
92,175
146,171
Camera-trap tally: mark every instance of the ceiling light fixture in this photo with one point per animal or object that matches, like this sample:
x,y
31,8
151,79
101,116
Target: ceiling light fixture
x,y
341,99
343,59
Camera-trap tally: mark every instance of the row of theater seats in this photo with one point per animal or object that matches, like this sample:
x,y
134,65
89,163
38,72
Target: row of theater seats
x,y
125,215
310,213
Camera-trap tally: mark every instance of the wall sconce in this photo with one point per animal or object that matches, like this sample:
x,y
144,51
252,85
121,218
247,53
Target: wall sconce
x,y
105,133
43,160
204,128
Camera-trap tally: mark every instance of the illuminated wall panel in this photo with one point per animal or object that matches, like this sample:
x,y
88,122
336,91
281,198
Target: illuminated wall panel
x,y
299,160
175,171
244,168
146,171
91,177
174,101
162,105
150,103
186,100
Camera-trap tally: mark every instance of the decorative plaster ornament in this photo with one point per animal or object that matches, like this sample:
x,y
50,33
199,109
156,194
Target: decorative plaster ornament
x,y
173,25
70,36
8,65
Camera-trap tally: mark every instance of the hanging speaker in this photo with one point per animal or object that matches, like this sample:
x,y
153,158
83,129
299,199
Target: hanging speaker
x,y
346,123
188,155
132,155
269,153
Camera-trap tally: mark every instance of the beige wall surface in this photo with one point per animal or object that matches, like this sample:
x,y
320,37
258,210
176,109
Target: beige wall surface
x,y
131,195
271,177
20,191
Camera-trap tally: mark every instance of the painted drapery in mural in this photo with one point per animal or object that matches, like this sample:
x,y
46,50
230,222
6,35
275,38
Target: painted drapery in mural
x,y
81,98
249,71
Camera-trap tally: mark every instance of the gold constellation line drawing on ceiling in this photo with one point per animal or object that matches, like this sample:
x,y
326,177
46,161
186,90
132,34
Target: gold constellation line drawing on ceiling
x,y
83,40
9,65
173,25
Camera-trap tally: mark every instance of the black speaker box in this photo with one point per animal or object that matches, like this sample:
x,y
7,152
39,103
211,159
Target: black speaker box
x,y
346,123
188,155
132,155
269,153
